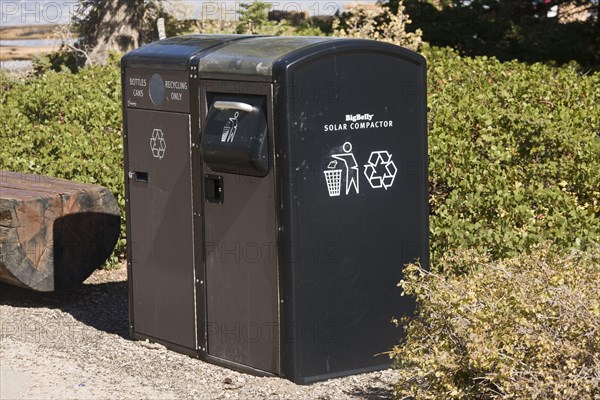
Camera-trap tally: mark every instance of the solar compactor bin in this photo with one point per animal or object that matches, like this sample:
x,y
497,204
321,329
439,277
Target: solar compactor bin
x,y
275,187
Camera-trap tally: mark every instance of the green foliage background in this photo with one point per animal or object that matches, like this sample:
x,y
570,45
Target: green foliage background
x,y
514,155
65,125
508,30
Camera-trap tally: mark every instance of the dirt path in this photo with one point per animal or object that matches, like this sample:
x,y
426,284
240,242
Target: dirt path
x,y
75,345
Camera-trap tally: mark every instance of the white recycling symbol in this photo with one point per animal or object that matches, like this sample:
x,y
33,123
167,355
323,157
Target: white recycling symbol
x,y
158,145
380,170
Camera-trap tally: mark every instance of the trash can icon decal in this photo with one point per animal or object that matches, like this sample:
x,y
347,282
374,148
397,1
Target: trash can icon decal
x,y
333,177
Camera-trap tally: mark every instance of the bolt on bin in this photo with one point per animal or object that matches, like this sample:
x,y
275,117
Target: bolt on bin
x,y
275,188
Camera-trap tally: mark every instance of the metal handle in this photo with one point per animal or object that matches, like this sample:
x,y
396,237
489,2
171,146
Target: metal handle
x,y
233,105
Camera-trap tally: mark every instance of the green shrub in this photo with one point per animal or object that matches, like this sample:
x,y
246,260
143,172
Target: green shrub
x,y
521,328
378,22
509,30
514,155
254,19
6,84
57,61
65,125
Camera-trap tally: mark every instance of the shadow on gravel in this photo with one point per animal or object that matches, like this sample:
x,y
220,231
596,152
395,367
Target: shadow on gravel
x,y
102,306
375,393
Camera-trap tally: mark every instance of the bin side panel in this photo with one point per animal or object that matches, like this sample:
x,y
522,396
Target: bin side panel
x,y
160,238
354,201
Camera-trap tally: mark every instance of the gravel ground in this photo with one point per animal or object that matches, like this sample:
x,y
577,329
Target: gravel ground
x,y
75,345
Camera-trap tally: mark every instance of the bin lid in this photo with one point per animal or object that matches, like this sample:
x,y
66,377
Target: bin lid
x,y
255,55
246,55
176,51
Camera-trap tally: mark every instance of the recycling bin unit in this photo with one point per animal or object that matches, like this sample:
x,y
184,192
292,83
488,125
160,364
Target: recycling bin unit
x,y
275,187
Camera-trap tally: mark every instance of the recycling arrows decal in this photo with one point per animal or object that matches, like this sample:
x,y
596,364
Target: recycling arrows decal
x,y
380,170
158,145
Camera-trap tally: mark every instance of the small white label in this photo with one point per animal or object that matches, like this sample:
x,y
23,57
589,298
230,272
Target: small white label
x,y
358,121
178,85
359,117
137,82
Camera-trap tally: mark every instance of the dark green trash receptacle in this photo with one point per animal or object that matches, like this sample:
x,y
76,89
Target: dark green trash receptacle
x,y
275,187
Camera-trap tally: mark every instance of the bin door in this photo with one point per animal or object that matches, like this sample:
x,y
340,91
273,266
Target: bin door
x,y
240,234
160,235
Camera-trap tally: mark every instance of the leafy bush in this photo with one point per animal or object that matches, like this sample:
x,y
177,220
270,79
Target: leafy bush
x,y
378,22
254,19
57,61
522,328
513,155
510,29
65,125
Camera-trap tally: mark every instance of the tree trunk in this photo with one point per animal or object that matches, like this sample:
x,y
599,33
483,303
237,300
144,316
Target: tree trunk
x,y
111,25
54,233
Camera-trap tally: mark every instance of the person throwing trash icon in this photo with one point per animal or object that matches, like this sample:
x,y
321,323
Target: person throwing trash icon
x,y
230,128
351,166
